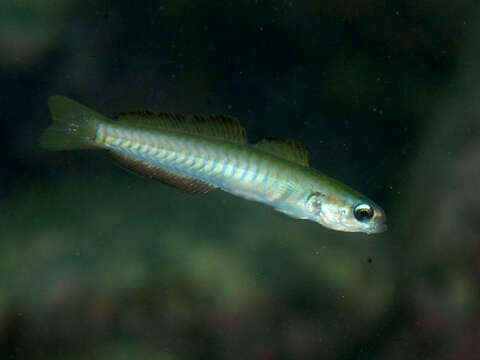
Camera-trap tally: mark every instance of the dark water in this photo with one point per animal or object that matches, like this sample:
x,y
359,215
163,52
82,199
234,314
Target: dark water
x,y
96,263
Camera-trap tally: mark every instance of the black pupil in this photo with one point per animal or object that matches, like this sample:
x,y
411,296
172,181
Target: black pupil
x,y
363,214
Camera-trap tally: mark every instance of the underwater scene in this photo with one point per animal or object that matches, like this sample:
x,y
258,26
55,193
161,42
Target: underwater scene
x,y
239,180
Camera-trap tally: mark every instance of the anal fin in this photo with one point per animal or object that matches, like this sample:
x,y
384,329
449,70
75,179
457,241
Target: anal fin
x,y
166,176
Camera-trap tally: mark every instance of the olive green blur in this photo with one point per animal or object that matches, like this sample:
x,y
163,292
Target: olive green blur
x,y
97,263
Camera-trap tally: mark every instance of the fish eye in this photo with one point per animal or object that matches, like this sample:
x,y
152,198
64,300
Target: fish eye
x,y
363,212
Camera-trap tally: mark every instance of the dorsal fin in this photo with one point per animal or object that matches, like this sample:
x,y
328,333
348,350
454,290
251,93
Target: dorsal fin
x,y
214,126
285,149
166,176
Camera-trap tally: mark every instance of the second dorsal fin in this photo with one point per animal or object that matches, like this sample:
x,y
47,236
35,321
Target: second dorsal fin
x,y
168,177
285,149
214,126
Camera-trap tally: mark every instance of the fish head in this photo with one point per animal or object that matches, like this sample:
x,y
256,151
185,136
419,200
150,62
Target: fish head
x,y
345,212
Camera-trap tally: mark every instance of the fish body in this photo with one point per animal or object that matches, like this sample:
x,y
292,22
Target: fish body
x,y
199,154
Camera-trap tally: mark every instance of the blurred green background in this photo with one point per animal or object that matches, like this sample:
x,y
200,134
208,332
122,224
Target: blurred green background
x,y
96,263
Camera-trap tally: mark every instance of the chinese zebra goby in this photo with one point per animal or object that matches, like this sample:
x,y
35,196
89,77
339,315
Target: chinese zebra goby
x,y
201,153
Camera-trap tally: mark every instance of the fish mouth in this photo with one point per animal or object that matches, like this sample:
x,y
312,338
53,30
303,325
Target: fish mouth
x,y
379,229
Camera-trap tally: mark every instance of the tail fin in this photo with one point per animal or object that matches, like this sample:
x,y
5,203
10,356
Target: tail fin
x,y
74,125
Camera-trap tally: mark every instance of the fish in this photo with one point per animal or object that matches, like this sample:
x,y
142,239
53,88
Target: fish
x,y
201,153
